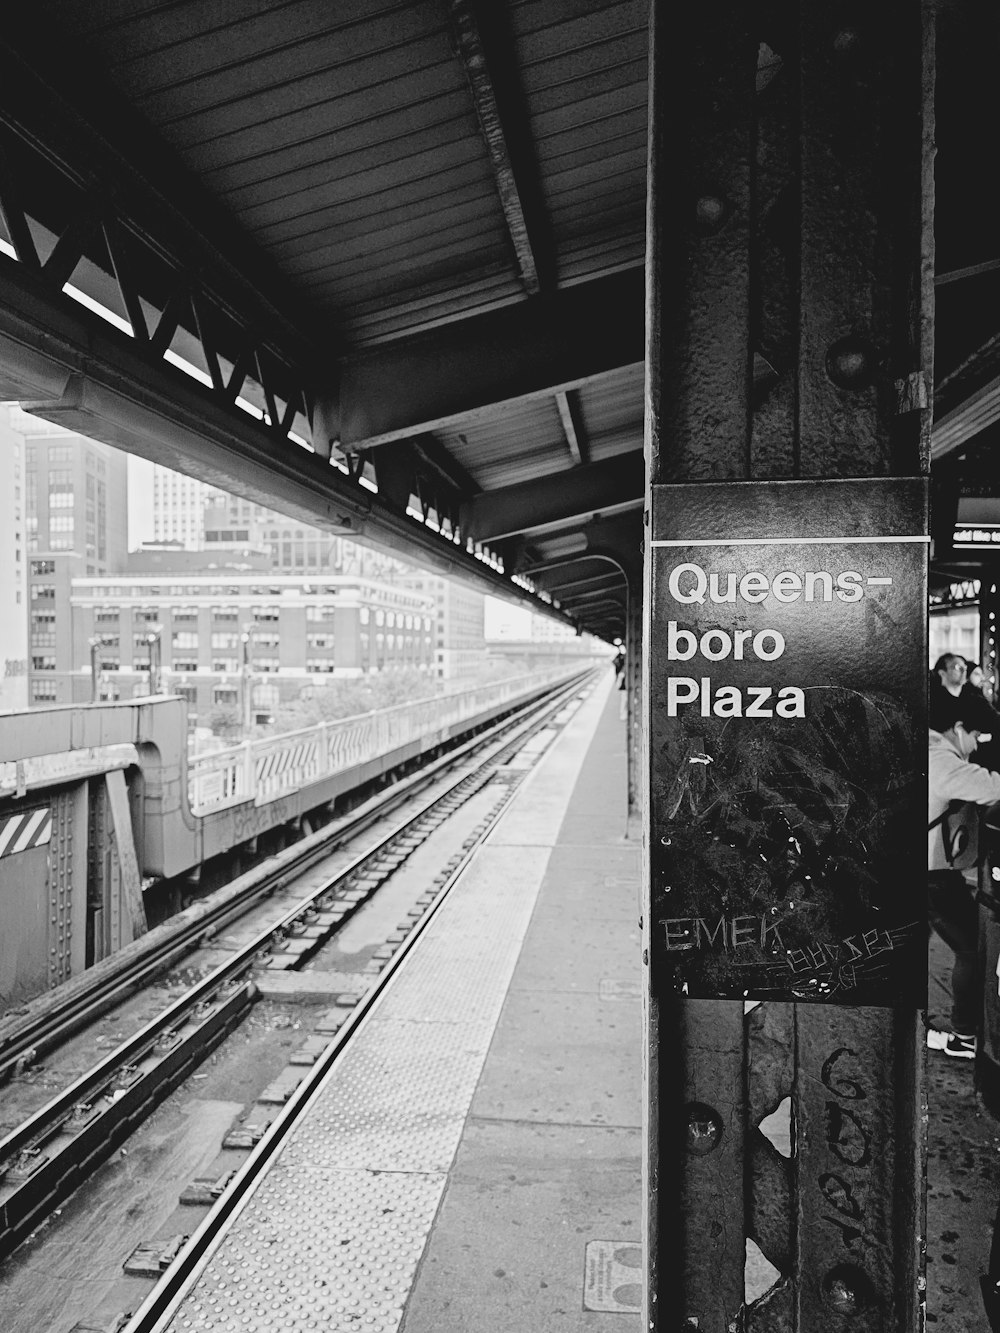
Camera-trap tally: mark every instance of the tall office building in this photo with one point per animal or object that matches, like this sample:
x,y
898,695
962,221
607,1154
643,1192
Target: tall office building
x,y
75,523
294,547
179,508
459,624
13,571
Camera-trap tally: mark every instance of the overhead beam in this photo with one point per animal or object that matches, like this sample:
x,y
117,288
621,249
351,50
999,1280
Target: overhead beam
x,y
68,366
557,498
590,600
572,586
569,415
510,169
956,428
464,370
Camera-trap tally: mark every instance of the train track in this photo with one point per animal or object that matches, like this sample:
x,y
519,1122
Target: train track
x,y
81,1000
53,1151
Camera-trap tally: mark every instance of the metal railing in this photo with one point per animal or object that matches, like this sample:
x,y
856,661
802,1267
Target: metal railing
x,y
265,769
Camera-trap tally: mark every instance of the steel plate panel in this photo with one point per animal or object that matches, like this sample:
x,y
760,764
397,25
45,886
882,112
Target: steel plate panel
x,y
324,1250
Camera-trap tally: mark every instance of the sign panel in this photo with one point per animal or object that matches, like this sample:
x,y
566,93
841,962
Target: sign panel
x,y
788,741
977,524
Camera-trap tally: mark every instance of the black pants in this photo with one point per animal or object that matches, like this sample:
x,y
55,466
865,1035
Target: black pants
x,y
953,913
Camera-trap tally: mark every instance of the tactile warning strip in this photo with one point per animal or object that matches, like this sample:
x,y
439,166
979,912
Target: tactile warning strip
x,y
333,1237
321,1250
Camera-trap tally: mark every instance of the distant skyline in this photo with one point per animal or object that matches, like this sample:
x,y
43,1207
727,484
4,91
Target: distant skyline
x,y
502,621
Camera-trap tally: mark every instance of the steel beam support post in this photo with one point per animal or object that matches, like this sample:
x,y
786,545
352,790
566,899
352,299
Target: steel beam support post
x,y
790,268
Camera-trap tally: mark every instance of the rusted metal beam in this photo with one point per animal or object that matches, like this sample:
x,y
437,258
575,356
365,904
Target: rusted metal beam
x,y
510,171
569,415
462,371
557,499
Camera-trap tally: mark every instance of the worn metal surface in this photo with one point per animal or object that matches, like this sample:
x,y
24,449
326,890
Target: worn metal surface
x,y
786,710
788,338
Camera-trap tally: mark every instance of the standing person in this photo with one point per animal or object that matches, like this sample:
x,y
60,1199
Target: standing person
x,y
951,861
948,678
978,712
618,663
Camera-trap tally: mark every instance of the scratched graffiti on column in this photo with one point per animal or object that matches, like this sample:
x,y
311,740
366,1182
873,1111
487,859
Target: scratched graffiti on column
x,y
785,744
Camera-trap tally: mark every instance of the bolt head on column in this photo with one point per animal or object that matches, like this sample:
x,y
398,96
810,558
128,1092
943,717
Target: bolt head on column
x,y
850,362
710,213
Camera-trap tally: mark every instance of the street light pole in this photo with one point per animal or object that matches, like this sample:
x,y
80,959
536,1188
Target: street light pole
x,y
95,693
153,642
246,641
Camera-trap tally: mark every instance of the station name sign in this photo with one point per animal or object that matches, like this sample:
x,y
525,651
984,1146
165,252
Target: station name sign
x,y
787,740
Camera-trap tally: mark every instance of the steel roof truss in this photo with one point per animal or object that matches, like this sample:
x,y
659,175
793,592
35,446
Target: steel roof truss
x,y
509,172
556,498
461,371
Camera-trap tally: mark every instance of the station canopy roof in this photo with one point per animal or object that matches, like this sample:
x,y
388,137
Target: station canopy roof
x,y
402,247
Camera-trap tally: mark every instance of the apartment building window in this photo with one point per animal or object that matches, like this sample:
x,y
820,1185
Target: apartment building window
x,y
363,615
225,612
225,666
319,665
184,664
43,566
185,613
266,613
43,691
185,639
266,663
315,613
147,614
44,663
61,532
319,640
266,640
104,614
223,694
225,640
60,453
61,489
189,693
43,592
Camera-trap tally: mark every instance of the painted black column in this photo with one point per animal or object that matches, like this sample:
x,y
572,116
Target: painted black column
x,y
789,364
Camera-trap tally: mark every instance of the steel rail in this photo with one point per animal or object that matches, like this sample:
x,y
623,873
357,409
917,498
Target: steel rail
x,y
100,988
229,987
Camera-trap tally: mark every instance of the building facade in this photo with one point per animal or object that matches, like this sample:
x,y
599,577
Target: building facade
x,y
75,525
13,572
210,635
179,508
459,625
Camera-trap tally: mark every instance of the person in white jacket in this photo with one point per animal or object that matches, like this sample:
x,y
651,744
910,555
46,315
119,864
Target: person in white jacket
x,y
951,866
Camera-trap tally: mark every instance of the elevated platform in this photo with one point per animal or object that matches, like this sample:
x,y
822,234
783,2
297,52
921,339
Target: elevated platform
x,y
474,1158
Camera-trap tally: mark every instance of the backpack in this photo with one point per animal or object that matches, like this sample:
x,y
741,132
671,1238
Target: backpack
x,y
960,832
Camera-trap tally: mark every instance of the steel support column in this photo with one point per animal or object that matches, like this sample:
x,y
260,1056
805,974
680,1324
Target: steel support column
x,y
790,264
